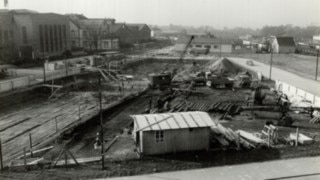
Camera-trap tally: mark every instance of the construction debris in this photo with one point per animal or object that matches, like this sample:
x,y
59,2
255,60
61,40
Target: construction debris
x,y
302,139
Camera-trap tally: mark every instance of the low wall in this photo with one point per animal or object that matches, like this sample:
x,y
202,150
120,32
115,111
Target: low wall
x,y
295,93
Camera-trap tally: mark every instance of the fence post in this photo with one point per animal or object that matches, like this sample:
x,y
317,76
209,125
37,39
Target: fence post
x,y
24,158
30,139
1,158
297,136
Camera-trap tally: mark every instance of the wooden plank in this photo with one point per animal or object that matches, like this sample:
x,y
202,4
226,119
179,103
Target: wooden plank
x,y
250,137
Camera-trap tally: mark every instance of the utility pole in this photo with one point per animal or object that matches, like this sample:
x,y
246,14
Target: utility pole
x,y
317,64
220,46
101,124
271,63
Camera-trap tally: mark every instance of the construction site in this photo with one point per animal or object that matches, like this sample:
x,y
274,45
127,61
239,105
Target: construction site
x,y
151,115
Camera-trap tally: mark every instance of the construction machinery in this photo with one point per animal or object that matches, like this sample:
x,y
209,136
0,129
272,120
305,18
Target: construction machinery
x,y
216,81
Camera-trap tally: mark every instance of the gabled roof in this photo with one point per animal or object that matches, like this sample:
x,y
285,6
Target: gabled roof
x,y
204,40
139,26
167,121
285,41
116,26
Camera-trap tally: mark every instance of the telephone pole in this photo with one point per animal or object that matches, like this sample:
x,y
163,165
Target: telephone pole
x,y
101,123
317,64
271,63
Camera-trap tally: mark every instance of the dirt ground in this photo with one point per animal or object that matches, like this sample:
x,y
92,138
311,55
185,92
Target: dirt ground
x,y
81,141
302,65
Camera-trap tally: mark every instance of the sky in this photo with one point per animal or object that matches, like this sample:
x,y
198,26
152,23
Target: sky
x,y
215,13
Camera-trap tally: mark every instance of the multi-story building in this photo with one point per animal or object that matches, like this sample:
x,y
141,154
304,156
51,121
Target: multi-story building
x,y
36,35
92,34
105,34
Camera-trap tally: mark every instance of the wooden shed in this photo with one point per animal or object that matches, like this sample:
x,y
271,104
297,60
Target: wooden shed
x,y
172,132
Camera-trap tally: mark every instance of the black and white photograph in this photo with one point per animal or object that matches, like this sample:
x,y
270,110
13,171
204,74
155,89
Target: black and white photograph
x,y
159,89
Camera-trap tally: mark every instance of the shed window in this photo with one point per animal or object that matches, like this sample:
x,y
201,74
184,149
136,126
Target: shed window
x,y
216,46
159,136
207,46
198,46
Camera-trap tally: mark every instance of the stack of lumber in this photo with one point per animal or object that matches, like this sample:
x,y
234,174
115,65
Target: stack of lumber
x,y
252,139
315,119
228,138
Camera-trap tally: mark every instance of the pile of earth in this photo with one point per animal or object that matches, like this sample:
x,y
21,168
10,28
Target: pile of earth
x,y
224,66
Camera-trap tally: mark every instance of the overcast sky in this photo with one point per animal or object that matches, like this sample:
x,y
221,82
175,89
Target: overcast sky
x,y
216,13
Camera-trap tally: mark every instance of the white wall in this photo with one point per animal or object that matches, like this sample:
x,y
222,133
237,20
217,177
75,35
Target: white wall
x,y
293,92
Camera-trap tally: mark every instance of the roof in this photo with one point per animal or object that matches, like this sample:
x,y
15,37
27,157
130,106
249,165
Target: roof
x,y
167,121
132,25
204,40
285,41
18,11
116,26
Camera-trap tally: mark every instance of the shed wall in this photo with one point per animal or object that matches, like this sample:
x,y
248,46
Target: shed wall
x,y
175,141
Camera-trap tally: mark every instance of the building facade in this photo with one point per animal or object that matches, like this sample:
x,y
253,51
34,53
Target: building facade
x,y
37,35
204,45
92,34
172,132
283,44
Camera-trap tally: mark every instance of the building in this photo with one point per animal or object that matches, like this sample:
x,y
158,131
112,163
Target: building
x,y
141,32
172,132
35,35
92,34
204,45
283,44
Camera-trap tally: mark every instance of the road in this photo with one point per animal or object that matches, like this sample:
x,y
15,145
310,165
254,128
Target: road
x,y
305,84
293,169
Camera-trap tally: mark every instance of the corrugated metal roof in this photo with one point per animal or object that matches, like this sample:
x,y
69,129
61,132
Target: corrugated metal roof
x,y
165,121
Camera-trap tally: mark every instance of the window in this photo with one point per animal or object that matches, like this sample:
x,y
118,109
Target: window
x,y
24,35
115,44
106,44
56,43
159,136
198,46
73,33
60,37
41,38
85,44
215,46
46,37
207,46
73,43
51,38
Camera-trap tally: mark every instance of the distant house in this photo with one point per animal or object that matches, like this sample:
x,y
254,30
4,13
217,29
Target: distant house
x,y
172,132
204,45
283,44
141,32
